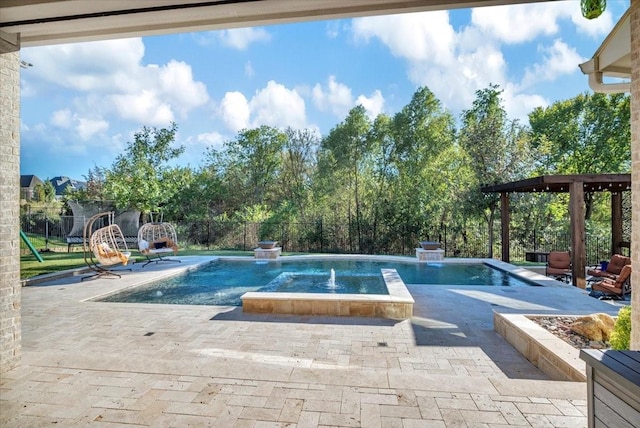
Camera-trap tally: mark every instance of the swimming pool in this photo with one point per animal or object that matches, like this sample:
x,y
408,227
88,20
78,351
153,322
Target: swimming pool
x,y
223,282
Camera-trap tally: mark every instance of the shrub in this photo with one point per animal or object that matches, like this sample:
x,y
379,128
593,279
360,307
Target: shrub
x,y
621,334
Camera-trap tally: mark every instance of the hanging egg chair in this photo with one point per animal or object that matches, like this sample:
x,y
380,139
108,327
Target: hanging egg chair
x,y
156,239
104,245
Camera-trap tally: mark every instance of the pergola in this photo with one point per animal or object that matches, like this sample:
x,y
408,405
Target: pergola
x,y
576,186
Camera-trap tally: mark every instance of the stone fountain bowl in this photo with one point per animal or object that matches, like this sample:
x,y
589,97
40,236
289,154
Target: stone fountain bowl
x,y
430,245
267,245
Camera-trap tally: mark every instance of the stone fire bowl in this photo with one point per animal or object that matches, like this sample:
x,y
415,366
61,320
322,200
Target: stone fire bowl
x,y
267,245
430,245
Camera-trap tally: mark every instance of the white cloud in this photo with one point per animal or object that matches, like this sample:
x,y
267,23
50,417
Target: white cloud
x,y
211,139
275,105
144,107
455,63
521,23
558,59
111,78
241,38
374,105
235,111
338,99
177,86
87,128
84,127
416,36
62,119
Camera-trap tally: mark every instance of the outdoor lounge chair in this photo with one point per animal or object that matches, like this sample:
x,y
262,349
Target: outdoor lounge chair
x,y
104,246
613,269
157,239
617,288
559,265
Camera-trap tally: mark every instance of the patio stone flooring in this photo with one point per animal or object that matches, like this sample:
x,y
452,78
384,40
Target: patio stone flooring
x,y
112,364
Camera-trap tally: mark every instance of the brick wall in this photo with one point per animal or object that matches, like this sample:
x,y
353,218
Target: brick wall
x,y
635,172
10,327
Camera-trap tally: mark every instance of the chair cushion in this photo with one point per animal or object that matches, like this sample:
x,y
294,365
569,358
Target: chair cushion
x,y
559,260
617,263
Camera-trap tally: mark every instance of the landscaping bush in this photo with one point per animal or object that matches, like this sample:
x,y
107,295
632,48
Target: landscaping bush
x,y
621,334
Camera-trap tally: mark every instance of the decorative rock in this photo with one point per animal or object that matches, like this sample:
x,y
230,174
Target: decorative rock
x,y
595,327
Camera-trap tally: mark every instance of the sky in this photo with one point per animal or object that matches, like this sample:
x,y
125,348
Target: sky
x,y
82,103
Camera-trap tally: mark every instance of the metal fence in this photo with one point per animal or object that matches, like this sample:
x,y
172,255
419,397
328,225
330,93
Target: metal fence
x,y
330,237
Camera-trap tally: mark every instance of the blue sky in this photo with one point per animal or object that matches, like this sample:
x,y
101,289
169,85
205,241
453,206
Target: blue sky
x,y
82,102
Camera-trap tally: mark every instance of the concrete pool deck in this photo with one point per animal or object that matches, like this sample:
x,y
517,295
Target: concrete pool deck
x,y
114,364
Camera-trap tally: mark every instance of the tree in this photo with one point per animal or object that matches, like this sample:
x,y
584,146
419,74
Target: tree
x,y
344,149
587,134
497,151
94,187
142,177
44,192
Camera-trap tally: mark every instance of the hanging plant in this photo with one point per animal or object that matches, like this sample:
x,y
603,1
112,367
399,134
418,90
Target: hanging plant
x,y
592,8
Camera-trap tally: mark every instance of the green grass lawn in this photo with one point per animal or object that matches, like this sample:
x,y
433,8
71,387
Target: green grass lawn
x,y
59,261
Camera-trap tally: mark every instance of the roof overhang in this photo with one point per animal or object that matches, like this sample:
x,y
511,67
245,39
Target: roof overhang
x,y
612,59
561,184
46,22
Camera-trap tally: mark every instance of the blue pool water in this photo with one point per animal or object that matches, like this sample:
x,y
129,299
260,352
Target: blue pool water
x,y
224,282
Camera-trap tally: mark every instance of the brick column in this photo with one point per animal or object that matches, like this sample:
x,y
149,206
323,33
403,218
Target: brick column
x,y
10,326
635,172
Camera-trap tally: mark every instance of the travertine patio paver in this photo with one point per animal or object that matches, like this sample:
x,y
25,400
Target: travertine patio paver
x,y
99,364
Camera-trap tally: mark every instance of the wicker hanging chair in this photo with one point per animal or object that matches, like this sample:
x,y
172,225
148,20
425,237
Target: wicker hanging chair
x,y
104,245
156,239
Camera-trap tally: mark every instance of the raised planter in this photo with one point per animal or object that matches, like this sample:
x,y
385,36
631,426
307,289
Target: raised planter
x,y
552,355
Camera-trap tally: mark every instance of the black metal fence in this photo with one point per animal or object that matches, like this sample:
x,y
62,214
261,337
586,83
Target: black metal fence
x,y
330,237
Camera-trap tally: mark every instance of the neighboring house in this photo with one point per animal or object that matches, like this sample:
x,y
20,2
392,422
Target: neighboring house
x,y
61,183
28,184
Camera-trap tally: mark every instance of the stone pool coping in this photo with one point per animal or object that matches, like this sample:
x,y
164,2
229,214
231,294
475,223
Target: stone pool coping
x,y
555,357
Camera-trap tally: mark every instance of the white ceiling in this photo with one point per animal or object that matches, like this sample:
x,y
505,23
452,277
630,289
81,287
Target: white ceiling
x,y
44,22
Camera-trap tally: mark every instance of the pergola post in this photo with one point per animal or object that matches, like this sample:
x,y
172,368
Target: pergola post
x,y
576,214
504,224
616,222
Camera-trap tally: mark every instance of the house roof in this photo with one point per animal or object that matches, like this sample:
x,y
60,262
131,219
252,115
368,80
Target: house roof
x,y
29,181
61,183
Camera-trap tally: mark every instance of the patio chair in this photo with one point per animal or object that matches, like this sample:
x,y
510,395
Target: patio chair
x,y
559,265
156,239
613,269
104,246
616,288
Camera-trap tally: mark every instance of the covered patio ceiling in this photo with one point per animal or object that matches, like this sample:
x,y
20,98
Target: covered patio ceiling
x,y
46,22
576,185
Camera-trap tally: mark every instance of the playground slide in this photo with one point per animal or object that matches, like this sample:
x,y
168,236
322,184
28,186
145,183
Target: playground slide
x,y
31,247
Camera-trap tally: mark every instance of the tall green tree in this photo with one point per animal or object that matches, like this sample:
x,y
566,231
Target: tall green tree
x,y
423,130
142,177
497,149
344,151
587,134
